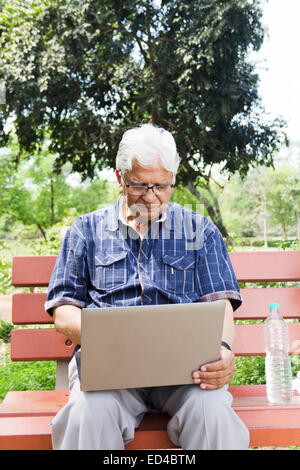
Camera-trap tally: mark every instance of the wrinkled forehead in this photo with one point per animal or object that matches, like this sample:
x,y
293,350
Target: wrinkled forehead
x,y
156,171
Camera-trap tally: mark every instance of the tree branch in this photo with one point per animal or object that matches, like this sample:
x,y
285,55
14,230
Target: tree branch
x,y
143,52
159,38
152,65
205,142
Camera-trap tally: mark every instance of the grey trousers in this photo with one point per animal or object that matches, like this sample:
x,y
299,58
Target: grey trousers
x,y
200,419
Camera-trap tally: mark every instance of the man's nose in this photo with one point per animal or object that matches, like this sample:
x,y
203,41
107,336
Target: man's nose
x,y
150,195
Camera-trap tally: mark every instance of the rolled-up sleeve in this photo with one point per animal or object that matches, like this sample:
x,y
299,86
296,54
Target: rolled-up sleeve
x,y
69,279
216,277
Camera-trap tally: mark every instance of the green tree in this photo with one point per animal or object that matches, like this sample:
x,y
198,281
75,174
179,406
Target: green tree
x,y
85,71
7,171
33,194
243,204
38,195
283,198
93,196
268,199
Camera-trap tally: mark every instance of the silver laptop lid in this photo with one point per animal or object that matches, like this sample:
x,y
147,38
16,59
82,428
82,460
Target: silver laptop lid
x,y
146,346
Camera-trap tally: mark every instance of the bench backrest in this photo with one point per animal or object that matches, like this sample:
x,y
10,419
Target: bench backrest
x,y
250,267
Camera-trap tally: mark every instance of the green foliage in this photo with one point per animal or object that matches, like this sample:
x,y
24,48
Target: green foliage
x,y
26,376
81,72
249,370
284,196
5,330
183,196
93,196
267,199
78,73
295,362
5,280
38,198
50,246
5,272
291,244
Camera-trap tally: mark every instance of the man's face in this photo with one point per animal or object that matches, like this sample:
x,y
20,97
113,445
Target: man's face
x,y
149,206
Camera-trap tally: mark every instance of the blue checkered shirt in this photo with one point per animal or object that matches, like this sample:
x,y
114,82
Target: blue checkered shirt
x,y
103,262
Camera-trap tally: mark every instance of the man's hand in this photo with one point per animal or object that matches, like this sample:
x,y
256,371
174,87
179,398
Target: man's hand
x,y
216,374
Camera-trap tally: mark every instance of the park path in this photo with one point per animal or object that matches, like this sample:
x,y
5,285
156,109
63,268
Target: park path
x,y
5,307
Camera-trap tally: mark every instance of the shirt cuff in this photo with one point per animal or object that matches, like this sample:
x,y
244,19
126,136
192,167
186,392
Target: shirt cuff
x,y
51,304
234,296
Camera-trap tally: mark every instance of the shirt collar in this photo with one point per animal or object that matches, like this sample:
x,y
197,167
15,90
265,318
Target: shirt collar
x,y
116,216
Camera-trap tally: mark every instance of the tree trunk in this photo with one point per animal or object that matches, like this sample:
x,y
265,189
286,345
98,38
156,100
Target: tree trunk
x,y
265,232
265,213
213,212
42,231
154,115
52,201
284,234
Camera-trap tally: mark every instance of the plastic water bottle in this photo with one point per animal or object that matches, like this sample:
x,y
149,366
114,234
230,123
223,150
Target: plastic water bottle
x,y
277,362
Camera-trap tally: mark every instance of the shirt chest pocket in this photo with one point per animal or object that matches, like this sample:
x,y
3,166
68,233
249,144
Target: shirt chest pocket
x,y
178,274
110,270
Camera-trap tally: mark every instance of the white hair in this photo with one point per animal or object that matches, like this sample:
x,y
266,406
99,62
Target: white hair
x,y
149,145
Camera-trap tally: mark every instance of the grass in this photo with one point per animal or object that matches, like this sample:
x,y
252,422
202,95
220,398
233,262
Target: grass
x,y
31,375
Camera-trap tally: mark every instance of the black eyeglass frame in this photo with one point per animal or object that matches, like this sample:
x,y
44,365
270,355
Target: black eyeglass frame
x,y
144,186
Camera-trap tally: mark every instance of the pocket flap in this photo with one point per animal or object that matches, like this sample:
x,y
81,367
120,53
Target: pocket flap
x,y
109,257
179,262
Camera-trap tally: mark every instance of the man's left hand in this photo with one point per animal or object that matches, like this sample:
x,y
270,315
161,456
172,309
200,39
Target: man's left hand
x,y
216,374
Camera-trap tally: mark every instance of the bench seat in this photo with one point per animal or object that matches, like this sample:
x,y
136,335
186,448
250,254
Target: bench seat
x,y
25,419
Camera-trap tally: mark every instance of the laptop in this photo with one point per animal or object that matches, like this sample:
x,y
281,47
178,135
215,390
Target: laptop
x,y
149,345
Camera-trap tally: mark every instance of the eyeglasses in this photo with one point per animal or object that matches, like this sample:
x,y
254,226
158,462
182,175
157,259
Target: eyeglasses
x,y
141,189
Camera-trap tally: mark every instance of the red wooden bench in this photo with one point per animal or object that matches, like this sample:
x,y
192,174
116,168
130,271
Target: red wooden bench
x,y
25,416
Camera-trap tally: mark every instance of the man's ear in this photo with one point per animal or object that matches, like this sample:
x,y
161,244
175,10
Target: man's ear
x,y
118,175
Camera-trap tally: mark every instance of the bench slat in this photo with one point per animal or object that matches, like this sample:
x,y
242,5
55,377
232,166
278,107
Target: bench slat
x,y
34,433
248,266
31,271
262,420
249,339
266,266
23,433
26,397
147,440
47,344
44,344
256,302
29,308
36,396
8,410
276,436
157,420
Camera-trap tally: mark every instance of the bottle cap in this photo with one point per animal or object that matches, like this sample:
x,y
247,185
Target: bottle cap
x,y
273,306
